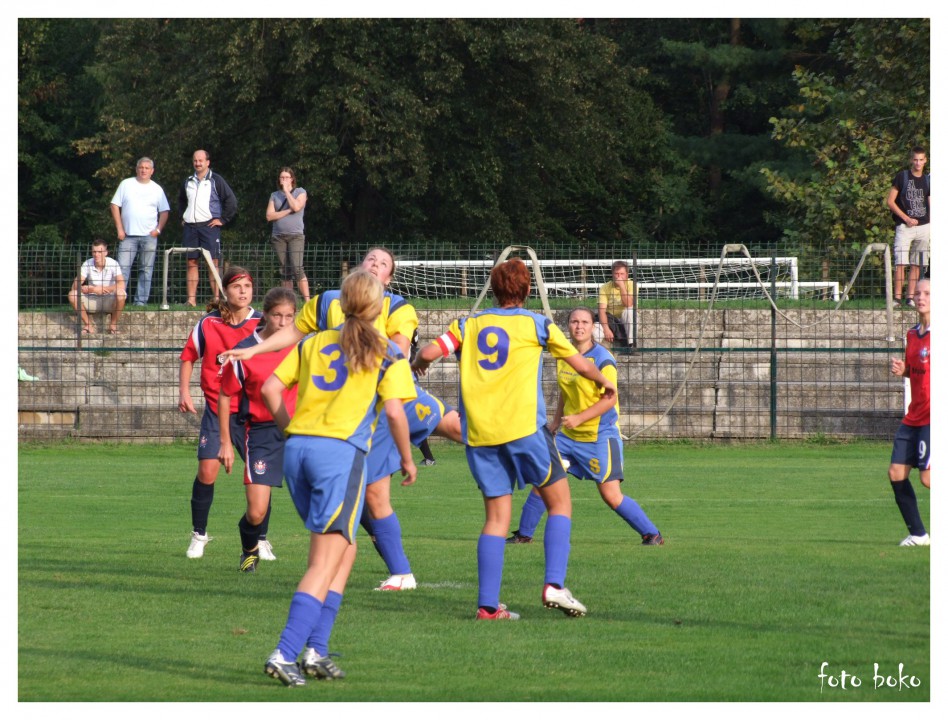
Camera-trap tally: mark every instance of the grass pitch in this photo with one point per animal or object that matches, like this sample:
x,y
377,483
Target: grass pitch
x,y
779,558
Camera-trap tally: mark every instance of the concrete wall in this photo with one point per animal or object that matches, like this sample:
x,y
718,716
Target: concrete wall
x,y
831,375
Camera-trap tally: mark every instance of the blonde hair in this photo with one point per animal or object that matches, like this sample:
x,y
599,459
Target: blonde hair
x,y
361,300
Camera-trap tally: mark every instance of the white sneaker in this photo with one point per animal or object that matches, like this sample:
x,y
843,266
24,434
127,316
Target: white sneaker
x,y
265,550
399,582
196,548
916,540
562,599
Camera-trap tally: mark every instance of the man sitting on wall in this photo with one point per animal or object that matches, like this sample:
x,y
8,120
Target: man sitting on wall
x,y
100,287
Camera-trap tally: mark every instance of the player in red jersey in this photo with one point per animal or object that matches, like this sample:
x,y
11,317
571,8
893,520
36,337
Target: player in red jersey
x,y
912,446
227,322
241,383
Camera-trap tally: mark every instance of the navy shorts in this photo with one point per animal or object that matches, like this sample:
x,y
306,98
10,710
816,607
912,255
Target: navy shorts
x,y
600,460
202,236
209,446
263,448
912,446
326,479
500,469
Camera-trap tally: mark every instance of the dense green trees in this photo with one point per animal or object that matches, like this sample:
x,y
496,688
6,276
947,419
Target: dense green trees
x,y
477,133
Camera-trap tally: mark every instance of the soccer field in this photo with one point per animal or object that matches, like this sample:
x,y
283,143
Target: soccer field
x,y
778,558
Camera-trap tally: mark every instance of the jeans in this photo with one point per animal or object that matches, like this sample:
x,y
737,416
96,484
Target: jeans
x,y
127,250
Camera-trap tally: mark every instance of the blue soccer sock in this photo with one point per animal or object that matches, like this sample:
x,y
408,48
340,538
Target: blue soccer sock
x,y
319,637
630,511
202,496
556,549
302,618
908,506
388,542
490,570
530,515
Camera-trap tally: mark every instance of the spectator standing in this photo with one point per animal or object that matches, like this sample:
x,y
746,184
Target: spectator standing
x,y
207,204
100,288
140,211
285,210
910,202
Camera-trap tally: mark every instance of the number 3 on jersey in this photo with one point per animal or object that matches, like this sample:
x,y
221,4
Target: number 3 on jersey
x,y
494,343
336,377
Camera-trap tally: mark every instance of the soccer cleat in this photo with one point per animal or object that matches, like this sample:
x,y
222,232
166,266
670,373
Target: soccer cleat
x,y
196,548
518,539
654,539
562,599
23,376
287,673
399,582
265,550
501,613
913,540
248,562
319,666
428,462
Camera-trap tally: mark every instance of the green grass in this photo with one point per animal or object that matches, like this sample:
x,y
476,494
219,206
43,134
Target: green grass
x,y
778,557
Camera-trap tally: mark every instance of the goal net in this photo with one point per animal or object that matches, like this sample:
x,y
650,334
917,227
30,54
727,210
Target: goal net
x,y
656,279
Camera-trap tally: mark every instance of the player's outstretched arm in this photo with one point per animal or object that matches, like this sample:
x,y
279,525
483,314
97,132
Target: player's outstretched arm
x,y
427,355
398,426
284,337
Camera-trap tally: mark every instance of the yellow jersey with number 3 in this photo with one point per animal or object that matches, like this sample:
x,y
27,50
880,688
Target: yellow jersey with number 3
x,y
333,402
500,361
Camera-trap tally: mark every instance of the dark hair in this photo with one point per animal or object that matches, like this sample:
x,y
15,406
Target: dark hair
x,y
919,150
234,272
286,170
620,264
99,242
278,296
510,282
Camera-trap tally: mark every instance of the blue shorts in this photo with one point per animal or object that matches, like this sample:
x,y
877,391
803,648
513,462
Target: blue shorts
x,y
263,454
423,413
501,469
326,480
912,446
209,445
202,236
600,460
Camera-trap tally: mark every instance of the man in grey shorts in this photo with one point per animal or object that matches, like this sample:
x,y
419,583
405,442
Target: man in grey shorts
x,y
910,203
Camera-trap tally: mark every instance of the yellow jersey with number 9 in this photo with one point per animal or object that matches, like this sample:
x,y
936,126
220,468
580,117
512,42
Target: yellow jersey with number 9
x,y
500,357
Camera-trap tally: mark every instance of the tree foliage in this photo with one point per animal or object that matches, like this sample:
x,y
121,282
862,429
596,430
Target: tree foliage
x,y
851,128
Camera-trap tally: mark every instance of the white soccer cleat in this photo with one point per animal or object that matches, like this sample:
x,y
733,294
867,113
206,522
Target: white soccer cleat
x,y
399,582
265,550
913,540
196,548
562,599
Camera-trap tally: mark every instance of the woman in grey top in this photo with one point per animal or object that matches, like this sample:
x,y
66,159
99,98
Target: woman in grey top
x,y
285,211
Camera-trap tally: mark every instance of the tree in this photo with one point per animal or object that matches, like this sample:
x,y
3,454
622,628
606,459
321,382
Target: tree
x,y
850,129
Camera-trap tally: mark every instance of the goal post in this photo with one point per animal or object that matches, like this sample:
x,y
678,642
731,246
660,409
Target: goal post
x,y
211,268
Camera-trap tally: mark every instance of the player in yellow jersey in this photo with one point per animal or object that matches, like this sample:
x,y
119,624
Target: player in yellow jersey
x,y
397,321
344,377
589,438
503,423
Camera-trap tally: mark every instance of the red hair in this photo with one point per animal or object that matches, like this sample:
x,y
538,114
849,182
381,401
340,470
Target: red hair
x,y
510,282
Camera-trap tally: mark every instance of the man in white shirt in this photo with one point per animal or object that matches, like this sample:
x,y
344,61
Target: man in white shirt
x,y
100,288
140,211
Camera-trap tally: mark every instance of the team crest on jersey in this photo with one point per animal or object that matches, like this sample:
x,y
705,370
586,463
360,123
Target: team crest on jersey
x,y
220,359
923,354
203,440
260,467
